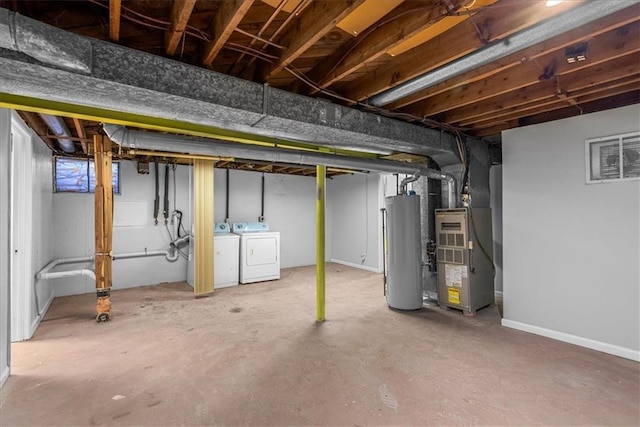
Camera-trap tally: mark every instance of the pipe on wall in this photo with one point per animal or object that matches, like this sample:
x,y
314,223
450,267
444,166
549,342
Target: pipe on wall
x,y
183,144
45,273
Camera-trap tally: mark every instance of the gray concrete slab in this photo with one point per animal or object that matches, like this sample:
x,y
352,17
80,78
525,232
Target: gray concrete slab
x,y
253,355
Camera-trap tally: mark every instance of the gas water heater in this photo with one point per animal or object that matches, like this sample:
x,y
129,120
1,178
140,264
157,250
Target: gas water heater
x,y
464,257
403,252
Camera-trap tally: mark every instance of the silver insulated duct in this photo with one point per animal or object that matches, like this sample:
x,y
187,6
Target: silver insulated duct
x,y
211,147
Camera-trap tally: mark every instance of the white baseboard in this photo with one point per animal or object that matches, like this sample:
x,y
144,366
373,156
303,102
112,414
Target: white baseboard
x,y
38,319
4,376
624,352
499,294
354,265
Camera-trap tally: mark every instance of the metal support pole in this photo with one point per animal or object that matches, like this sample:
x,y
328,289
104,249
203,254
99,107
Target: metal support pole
x,y
320,252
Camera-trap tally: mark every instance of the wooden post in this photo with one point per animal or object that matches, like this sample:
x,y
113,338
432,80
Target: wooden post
x,y
103,226
203,221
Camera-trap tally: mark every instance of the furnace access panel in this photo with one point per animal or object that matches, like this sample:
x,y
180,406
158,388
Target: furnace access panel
x,y
464,258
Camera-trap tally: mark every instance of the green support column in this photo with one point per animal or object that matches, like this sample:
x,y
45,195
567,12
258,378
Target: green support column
x,y
320,184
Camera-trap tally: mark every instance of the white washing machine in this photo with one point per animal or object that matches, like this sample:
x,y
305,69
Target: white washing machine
x,y
226,248
259,252
226,267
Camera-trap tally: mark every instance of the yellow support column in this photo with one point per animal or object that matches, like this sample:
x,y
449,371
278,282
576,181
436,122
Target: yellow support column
x,y
203,226
320,252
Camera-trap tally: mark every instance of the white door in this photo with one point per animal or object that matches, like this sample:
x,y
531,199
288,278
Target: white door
x,y
20,234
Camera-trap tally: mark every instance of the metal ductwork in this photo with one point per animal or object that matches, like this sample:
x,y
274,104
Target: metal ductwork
x,y
182,144
39,61
580,15
60,129
45,43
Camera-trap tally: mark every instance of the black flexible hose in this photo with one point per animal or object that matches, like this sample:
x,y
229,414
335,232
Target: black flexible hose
x,y
156,202
166,193
262,202
227,201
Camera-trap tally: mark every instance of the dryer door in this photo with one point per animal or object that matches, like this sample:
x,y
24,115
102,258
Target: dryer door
x,y
261,250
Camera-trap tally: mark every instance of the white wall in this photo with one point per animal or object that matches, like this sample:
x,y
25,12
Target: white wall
x,y
495,184
290,208
356,231
571,250
41,251
133,231
5,131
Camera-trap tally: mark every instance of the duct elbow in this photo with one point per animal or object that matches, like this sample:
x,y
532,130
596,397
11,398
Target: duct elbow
x,y
117,134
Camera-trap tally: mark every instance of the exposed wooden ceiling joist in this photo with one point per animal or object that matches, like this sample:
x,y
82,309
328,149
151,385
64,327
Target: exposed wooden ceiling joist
x,y
270,40
228,16
38,125
180,14
114,20
404,22
505,18
82,134
558,102
541,56
606,47
314,22
544,91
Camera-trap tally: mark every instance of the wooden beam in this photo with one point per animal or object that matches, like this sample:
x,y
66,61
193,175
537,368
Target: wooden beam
x,y
228,16
602,49
551,97
38,125
180,14
587,106
598,74
497,21
82,134
115,7
103,212
559,102
313,24
404,22
616,32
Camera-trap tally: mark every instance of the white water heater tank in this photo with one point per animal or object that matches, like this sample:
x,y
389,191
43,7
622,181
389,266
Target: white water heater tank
x,y
404,261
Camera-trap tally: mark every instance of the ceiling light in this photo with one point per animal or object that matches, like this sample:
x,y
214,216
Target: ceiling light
x,y
553,27
551,3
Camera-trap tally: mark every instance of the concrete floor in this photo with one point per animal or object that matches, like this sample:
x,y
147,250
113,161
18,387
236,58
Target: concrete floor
x,y
253,355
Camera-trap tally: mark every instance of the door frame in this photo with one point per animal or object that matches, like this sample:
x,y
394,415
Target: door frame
x,y
21,230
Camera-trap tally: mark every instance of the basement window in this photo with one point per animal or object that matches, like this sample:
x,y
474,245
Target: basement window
x,y
79,176
613,158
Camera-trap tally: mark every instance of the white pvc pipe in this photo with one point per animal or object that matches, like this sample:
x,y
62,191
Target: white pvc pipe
x,y
42,274
69,273
46,273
